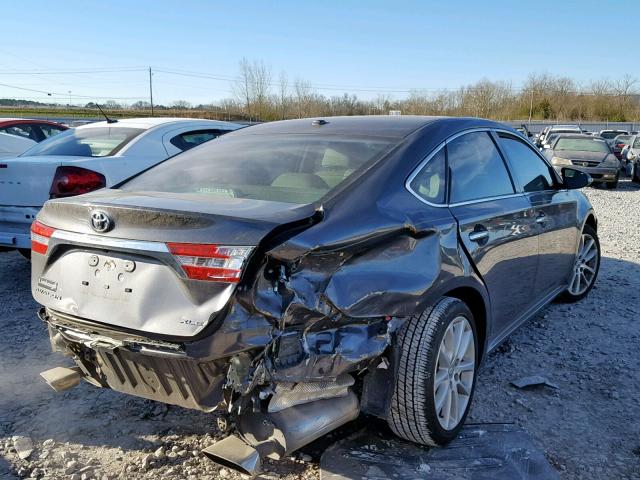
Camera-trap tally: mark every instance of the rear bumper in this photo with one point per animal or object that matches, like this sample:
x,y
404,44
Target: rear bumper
x,y
15,225
159,371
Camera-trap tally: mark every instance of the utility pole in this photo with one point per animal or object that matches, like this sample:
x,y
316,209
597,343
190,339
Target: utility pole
x,y
531,107
151,91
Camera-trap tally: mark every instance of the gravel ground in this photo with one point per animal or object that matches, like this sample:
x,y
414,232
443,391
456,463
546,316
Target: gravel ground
x,y
588,427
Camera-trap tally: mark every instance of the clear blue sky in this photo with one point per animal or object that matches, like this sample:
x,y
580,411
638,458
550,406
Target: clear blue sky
x,y
355,46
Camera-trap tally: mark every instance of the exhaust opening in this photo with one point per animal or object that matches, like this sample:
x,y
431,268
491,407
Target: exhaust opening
x,y
234,453
276,435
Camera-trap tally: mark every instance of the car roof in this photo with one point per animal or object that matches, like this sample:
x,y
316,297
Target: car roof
x,y
393,126
578,135
5,122
151,122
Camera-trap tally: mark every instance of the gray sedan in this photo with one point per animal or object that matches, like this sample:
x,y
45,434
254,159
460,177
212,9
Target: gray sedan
x,y
587,154
294,274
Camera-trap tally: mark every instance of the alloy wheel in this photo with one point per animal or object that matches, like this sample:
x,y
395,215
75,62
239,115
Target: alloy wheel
x,y
585,267
454,375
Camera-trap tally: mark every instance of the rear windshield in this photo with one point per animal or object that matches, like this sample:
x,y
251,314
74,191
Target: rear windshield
x,y
582,145
86,142
610,135
296,169
557,131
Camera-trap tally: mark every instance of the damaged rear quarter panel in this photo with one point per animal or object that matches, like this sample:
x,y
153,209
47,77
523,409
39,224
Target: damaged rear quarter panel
x,y
336,292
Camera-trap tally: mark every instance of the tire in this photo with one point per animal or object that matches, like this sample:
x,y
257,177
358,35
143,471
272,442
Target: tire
x,y
412,413
573,295
613,185
26,253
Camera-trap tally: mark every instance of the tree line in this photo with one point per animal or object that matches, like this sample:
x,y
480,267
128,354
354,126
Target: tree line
x,y
259,95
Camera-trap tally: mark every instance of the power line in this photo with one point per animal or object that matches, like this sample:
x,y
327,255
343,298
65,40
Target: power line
x,y
73,72
58,94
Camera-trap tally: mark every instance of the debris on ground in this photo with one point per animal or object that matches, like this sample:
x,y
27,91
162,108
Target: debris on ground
x,y
533,381
23,446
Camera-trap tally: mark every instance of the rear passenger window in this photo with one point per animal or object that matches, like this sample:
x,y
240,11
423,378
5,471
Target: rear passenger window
x,y
50,130
188,140
529,169
477,168
430,183
24,131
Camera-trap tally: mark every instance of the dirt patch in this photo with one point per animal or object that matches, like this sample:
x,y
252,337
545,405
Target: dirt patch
x,y
588,426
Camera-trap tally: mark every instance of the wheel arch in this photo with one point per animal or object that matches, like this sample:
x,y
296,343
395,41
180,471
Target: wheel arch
x,y
479,308
591,221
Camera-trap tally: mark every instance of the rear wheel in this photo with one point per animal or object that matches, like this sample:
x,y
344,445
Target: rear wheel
x,y
586,266
436,374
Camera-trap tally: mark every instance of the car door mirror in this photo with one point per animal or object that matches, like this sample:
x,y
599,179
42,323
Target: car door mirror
x,y
575,179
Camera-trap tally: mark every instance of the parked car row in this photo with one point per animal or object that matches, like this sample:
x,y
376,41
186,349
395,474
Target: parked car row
x,y
87,158
294,274
598,154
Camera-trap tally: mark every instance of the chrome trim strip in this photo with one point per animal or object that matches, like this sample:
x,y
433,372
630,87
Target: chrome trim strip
x,y
435,151
487,199
417,170
108,242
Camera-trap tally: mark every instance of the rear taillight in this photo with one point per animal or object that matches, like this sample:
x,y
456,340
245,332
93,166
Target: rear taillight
x,y
40,235
69,181
214,263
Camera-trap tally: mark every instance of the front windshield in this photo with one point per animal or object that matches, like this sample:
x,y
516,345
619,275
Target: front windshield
x,y
296,169
86,142
610,135
582,145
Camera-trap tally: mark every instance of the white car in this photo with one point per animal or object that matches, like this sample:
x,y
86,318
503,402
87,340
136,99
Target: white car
x,y
12,146
630,155
88,158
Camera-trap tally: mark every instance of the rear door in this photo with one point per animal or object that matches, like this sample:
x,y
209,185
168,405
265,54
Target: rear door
x,y
496,225
554,209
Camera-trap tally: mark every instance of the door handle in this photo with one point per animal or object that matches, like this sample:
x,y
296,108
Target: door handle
x,y
541,219
479,235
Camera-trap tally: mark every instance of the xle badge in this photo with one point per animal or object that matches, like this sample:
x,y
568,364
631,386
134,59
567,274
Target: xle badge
x,y
48,284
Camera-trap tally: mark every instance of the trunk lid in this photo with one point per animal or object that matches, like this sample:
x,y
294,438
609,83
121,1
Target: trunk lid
x,y
131,277
26,181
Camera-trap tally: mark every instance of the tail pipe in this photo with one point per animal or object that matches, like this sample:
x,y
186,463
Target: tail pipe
x,y
276,435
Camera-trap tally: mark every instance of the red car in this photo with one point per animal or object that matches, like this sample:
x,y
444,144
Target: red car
x,y
619,143
36,130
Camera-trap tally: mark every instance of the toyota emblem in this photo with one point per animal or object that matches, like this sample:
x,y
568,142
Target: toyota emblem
x,y
100,221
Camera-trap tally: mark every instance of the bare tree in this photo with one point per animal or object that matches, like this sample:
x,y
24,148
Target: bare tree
x,y
243,89
303,95
283,94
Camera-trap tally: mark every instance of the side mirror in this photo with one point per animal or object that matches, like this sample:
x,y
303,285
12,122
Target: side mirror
x,y
575,179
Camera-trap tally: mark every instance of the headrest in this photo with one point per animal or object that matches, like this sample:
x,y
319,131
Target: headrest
x,y
334,159
300,180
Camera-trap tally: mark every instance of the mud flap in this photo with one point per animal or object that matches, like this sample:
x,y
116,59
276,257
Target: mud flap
x,y
481,452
